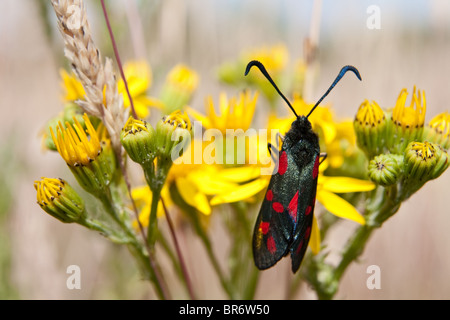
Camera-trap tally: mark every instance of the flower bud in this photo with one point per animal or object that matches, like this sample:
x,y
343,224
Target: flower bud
x,y
91,160
407,122
58,199
178,88
438,130
442,162
420,160
137,138
370,128
385,169
173,135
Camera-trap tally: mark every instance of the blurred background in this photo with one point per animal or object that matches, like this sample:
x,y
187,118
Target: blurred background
x,y
411,47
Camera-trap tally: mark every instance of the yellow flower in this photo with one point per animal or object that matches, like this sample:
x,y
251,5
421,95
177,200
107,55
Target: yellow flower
x,y
177,91
184,78
139,77
412,116
73,143
407,122
72,87
57,198
370,128
87,153
197,181
235,113
438,130
274,58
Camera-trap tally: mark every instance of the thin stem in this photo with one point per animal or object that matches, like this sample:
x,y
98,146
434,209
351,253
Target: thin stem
x,y
158,278
119,63
148,262
152,228
177,248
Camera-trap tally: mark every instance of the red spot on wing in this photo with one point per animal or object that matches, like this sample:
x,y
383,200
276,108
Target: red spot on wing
x,y
308,210
292,208
271,246
307,232
269,195
282,163
264,227
316,168
300,246
278,207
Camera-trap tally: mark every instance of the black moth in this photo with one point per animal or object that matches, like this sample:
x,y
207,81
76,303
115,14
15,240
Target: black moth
x,y
285,220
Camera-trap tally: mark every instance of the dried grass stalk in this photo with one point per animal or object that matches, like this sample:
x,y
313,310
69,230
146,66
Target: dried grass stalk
x,y
102,99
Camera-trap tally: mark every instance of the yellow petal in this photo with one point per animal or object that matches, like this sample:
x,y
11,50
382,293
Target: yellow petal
x,y
339,207
211,184
240,174
314,240
206,123
329,131
191,195
346,184
202,203
240,193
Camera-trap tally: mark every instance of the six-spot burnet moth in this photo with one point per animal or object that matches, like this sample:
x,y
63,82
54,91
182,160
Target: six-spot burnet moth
x,y
285,219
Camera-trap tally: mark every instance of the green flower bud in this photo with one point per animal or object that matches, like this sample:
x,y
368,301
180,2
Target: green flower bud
x,y
137,138
442,162
173,135
420,160
58,199
370,128
385,169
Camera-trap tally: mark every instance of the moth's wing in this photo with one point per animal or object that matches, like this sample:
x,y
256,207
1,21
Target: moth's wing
x,y
275,225
305,210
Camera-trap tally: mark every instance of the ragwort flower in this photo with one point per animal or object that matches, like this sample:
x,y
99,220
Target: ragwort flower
x,y
88,153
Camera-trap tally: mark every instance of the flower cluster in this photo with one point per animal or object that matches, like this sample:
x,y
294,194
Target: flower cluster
x,y
401,149
196,163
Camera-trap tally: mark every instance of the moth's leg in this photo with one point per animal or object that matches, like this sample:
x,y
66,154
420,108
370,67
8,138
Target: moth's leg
x,y
274,155
269,146
322,155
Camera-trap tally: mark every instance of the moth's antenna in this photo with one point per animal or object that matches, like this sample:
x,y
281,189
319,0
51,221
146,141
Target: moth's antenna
x,y
266,74
340,75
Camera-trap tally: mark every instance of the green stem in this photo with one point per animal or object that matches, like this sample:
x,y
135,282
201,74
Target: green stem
x,y
156,177
106,231
152,229
326,278
146,262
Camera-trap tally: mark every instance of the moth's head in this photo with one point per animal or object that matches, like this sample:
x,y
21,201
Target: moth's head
x,y
301,124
